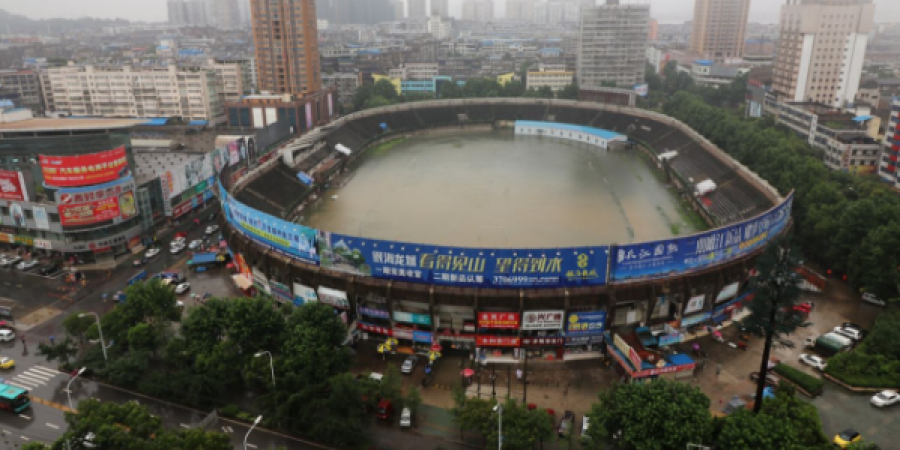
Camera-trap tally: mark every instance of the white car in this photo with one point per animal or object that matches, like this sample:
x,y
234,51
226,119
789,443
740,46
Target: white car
x,y
176,249
182,288
885,398
405,418
851,333
585,422
813,361
27,265
211,229
195,244
178,241
7,335
871,298
152,252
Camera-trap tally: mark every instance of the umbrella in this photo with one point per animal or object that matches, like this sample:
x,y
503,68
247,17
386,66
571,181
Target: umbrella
x,y
436,347
467,373
433,355
381,348
390,341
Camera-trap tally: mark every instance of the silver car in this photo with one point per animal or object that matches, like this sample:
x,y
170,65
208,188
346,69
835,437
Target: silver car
x,y
409,364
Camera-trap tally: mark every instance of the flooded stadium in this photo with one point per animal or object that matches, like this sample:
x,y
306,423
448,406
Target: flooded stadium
x,y
495,189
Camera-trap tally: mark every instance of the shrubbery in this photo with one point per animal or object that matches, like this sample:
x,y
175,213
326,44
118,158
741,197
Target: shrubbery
x,y
876,361
812,385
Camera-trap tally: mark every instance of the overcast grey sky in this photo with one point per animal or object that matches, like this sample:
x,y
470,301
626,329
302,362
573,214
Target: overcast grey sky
x,y
666,11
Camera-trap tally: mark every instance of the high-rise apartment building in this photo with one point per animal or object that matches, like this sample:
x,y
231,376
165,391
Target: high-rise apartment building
x,y
215,13
286,45
719,29
890,152
440,8
612,44
192,93
821,48
653,32
478,10
520,10
417,9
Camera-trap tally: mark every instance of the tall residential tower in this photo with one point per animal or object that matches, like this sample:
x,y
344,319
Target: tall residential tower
x,y
719,28
612,44
821,49
286,45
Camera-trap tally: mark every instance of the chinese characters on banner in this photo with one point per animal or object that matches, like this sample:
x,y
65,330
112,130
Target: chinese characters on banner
x,y
368,328
374,312
542,320
650,260
498,320
496,341
586,323
89,213
543,342
12,186
83,170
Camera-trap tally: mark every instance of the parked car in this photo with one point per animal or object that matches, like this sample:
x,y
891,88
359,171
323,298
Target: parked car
x,y
409,364
846,437
49,269
384,410
405,418
195,244
851,333
152,252
7,363
10,260
140,262
7,335
177,248
816,362
885,398
180,240
771,379
182,288
565,424
869,297
211,229
27,265
585,422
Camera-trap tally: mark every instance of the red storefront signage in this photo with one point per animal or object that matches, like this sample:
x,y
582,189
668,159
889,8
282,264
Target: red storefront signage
x,y
498,320
186,206
88,213
661,370
373,329
11,186
496,341
84,170
543,342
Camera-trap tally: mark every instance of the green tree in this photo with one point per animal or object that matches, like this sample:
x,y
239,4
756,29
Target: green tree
x,y
545,92
523,428
471,413
362,94
513,88
142,337
413,399
569,92
660,415
385,89
376,102
391,385
61,351
783,422
341,419
77,326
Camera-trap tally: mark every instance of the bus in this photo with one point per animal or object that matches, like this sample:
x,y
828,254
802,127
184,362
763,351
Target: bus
x,y
13,399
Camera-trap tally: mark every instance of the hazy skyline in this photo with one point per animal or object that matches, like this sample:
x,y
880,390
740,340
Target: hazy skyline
x,y
666,11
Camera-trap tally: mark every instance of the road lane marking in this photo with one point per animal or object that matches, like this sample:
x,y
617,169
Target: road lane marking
x,y
55,427
250,445
25,417
23,385
31,378
183,425
25,438
36,374
44,370
227,429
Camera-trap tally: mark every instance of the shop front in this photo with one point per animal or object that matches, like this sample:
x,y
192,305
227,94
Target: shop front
x,y
449,318
543,330
337,299
729,311
456,341
632,367
497,336
494,349
549,348
584,335
413,330
304,294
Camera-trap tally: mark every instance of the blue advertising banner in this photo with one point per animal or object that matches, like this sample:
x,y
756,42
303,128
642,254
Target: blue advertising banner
x,y
374,312
459,266
418,319
281,292
585,323
292,239
657,259
422,336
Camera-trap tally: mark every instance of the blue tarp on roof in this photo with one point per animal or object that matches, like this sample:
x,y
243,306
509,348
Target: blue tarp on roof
x,y
703,62
4,103
156,122
199,122
605,134
204,258
862,118
304,178
680,359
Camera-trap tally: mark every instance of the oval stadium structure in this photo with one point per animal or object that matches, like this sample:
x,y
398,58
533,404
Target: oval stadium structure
x,y
557,299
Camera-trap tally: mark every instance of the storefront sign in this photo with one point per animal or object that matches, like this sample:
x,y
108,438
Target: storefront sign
x,y
498,320
727,292
17,214
68,196
185,207
12,186
461,338
585,323
734,304
542,320
24,240
369,328
374,312
626,350
496,341
280,291
543,342
694,304
83,170
669,338
422,336
304,294
661,370
402,333
89,213
333,297
260,281
41,219
688,321
43,243
418,319
584,340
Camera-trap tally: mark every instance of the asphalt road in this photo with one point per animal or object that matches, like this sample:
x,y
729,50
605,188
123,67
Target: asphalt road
x,y
39,423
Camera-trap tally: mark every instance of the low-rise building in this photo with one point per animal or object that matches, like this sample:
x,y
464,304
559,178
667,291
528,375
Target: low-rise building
x,y
27,83
554,79
887,167
707,73
346,84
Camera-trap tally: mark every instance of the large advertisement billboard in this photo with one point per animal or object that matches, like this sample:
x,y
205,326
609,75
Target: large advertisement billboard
x,y
177,181
89,213
286,237
461,266
658,259
83,170
12,186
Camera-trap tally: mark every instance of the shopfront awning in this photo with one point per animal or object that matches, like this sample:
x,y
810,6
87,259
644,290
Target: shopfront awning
x,y
242,282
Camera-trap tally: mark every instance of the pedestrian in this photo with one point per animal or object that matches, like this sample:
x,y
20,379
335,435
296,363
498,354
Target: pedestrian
x,y
52,340
718,370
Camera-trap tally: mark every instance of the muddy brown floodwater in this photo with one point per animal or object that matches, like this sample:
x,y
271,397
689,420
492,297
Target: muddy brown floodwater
x,y
495,189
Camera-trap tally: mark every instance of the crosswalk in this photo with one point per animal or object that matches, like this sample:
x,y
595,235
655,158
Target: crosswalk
x,y
33,377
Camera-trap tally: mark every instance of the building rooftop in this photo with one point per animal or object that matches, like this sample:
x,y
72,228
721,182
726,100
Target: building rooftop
x,y
46,124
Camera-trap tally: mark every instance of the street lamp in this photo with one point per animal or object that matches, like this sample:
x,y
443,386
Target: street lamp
x,y
498,408
255,423
271,363
69,391
99,328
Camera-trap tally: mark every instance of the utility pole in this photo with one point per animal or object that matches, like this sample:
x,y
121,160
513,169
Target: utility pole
x,y
525,378
777,283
